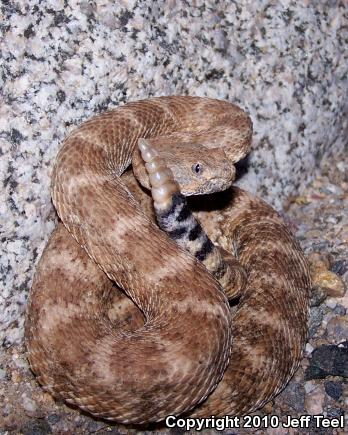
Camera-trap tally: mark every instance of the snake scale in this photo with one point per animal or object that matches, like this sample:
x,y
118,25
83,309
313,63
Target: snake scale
x,y
124,323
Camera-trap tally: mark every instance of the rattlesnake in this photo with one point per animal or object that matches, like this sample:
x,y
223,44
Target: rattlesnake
x,y
90,345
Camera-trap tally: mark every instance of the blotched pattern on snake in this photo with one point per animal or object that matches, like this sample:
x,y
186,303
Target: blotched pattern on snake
x,y
168,342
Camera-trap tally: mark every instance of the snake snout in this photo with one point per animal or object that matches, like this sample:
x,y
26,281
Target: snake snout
x,y
222,180
217,185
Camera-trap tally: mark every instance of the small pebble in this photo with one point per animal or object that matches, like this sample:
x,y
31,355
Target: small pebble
x,y
301,200
309,349
334,389
268,408
340,267
53,418
340,310
337,328
328,360
327,318
331,303
317,296
335,412
310,386
330,282
29,404
314,402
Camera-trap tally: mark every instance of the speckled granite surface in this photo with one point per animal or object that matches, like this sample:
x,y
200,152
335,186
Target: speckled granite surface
x,y
63,61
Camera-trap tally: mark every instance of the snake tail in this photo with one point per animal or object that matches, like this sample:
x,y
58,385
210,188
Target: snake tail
x,y
176,219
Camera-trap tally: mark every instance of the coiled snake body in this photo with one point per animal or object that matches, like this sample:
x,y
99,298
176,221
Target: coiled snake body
x,y
163,346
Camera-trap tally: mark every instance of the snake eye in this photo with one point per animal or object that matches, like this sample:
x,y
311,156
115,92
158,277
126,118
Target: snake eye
x,y
197,168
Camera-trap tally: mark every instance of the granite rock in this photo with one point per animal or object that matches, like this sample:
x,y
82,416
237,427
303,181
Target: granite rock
x,y
64,61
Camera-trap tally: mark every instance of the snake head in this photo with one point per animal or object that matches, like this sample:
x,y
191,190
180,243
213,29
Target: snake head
x,y
196,168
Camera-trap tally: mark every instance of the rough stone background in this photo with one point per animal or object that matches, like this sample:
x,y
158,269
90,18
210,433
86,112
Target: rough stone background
x,y
61,61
